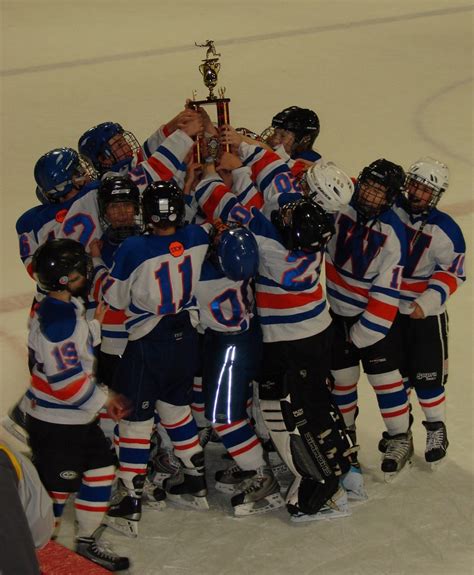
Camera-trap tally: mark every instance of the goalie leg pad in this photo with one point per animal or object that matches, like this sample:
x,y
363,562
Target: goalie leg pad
x,y
319,423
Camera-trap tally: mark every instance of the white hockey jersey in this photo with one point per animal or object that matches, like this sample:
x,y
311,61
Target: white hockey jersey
x,y
434,267
289,298
153,276
61,341
224,305
364,264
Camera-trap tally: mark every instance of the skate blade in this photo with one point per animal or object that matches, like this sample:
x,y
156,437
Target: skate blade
x,y
388,477
435,465
153,504
330,513
360,495
189,501
15,430
227,488
269,503
122,525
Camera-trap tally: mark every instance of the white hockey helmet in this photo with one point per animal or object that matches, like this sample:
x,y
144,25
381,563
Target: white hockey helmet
x,y
329,186
431,173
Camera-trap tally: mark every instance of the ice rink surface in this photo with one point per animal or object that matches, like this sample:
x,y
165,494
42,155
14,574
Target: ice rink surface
x,y
387,79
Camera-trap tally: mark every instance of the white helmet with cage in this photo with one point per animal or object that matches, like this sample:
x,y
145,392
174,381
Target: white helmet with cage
x,y
427,172
329,186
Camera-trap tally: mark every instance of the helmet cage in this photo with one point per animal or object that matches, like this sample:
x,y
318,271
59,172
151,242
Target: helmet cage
x,y
425,176
301,122
95,145
58,172
380,175
119,190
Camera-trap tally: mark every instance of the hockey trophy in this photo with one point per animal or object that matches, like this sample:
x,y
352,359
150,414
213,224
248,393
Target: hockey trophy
x,y
209,69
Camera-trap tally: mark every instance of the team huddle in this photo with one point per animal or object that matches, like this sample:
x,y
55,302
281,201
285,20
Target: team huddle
x,y
179,300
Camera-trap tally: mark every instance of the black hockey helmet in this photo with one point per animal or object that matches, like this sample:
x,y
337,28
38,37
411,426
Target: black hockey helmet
x,y
304,123
383,175
54,260
163,204
117,190
303,225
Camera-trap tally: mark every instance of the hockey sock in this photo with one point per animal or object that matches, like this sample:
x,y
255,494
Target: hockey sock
x,y
197,405
392,400
92,501
249,404
433,403
117,439
59,502
134,449
179,423
344,392
259,422
241,443
107,424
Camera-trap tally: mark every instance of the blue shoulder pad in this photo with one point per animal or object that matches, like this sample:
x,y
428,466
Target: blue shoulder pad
x,y
57,319
27,221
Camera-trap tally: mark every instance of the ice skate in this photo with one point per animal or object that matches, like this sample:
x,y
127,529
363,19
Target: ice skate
x,y
399,452
273,457
189,489
383,443
15,423
436,442
100,552
260,494
353,483
153,496
207,435
228,480
162,465
382,446
335,507
125,510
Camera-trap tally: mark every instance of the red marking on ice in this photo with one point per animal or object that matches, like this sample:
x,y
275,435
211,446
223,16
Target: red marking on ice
x,y
55,559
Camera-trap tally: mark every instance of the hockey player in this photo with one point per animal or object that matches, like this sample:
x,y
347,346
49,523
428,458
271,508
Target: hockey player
x,y
119,213
113,150
231,359
153,279
295,400
63,181
364,266
68,447
433,271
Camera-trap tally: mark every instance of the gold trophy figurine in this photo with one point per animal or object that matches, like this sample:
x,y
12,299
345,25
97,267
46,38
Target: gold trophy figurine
x,y
209,69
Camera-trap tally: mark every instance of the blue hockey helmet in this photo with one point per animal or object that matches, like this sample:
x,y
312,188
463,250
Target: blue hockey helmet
x,y
236,252
59,171
95,145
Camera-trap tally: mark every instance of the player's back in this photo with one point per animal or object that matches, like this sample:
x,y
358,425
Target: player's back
x,y
154,276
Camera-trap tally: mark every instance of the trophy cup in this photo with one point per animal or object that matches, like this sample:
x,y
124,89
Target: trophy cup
x,y
209,69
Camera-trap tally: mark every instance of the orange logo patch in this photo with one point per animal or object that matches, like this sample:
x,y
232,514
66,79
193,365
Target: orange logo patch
x,y
60,216
176,249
